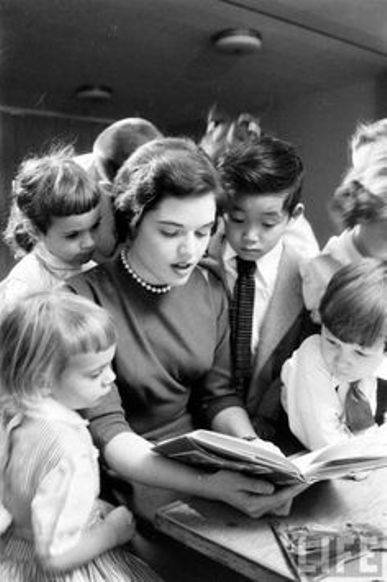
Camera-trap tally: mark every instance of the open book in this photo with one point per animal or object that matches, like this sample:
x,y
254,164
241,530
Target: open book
x,y
214,451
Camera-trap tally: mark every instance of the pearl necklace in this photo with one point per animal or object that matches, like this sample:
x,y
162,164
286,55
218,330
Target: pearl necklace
x,y
157,289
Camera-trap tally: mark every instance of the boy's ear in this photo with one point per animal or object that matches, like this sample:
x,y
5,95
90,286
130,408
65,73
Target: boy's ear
x,y
298,211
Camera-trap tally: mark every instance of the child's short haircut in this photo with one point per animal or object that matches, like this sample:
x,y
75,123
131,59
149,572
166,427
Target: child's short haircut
x,y
354,305
39,334
223,132
118,141
269,166
45,187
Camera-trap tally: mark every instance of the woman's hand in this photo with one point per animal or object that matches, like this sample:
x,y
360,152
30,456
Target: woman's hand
x,y
122,524
288,493
253,496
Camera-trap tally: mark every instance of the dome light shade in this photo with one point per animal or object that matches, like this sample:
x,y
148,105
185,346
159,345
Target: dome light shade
x,y
94,93
237,41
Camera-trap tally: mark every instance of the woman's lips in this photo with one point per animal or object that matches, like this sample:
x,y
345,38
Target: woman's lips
x,y
182,268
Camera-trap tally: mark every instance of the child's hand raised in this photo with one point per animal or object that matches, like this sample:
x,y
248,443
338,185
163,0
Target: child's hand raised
x,y
122,524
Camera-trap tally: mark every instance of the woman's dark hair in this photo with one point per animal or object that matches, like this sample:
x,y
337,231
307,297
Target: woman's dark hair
x,y
164,167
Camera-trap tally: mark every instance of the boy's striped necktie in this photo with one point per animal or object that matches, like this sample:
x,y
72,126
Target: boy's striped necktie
x,y
241,320
358,413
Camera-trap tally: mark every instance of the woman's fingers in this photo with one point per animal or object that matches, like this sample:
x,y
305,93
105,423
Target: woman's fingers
x,y
254,496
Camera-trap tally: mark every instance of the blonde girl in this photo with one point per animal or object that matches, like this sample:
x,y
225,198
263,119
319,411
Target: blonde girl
x,y
55,358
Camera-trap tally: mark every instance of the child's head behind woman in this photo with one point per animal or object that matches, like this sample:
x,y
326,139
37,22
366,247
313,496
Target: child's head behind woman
x,y
367,139
353,313
55,344
362,196
56,203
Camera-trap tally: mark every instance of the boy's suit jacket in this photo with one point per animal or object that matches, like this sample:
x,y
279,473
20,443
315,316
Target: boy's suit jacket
x,y
285,324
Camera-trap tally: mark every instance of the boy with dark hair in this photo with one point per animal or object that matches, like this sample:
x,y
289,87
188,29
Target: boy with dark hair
x,y
262,186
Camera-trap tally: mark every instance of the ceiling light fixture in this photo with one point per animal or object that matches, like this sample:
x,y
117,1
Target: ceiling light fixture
x,y
94,93
237,40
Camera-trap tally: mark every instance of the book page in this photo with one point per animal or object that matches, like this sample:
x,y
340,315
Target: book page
x,y
278,466
217,451
238,448
361,452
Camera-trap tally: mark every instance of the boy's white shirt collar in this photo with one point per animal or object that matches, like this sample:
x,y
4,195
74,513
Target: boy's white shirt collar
x,y
267,265
341,387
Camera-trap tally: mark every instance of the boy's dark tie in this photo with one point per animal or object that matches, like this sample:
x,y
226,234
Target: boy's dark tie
x,y
358,413
241,320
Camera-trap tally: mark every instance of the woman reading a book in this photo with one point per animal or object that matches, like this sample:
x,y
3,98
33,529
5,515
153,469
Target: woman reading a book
x,y
172,361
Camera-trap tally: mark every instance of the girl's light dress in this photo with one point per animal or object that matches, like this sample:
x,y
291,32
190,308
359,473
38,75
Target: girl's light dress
x,y
38,270
50,488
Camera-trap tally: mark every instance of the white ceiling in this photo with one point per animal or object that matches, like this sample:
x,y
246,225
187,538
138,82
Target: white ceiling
x,y
157,56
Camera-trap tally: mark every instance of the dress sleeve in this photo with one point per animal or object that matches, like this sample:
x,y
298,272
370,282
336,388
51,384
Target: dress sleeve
x,y
313,407
62,505
107,420
217,392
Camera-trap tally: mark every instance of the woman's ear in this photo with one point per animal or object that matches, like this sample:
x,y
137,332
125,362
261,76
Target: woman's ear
x,y
106,187
298,210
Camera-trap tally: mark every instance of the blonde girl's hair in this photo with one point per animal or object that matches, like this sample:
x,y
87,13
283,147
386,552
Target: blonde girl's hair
x,y
38,336
369,134
362,195
354,305
45,187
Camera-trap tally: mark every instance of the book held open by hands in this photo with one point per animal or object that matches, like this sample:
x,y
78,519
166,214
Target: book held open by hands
x,y
215,451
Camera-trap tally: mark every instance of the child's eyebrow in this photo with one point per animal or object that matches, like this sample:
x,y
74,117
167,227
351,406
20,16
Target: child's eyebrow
x,y
68,232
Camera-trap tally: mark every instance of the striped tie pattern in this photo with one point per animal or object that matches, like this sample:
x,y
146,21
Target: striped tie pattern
x,y
241,321
358,413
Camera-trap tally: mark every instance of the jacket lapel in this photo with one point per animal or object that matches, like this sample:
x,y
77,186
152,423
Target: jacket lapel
x,y
284,307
